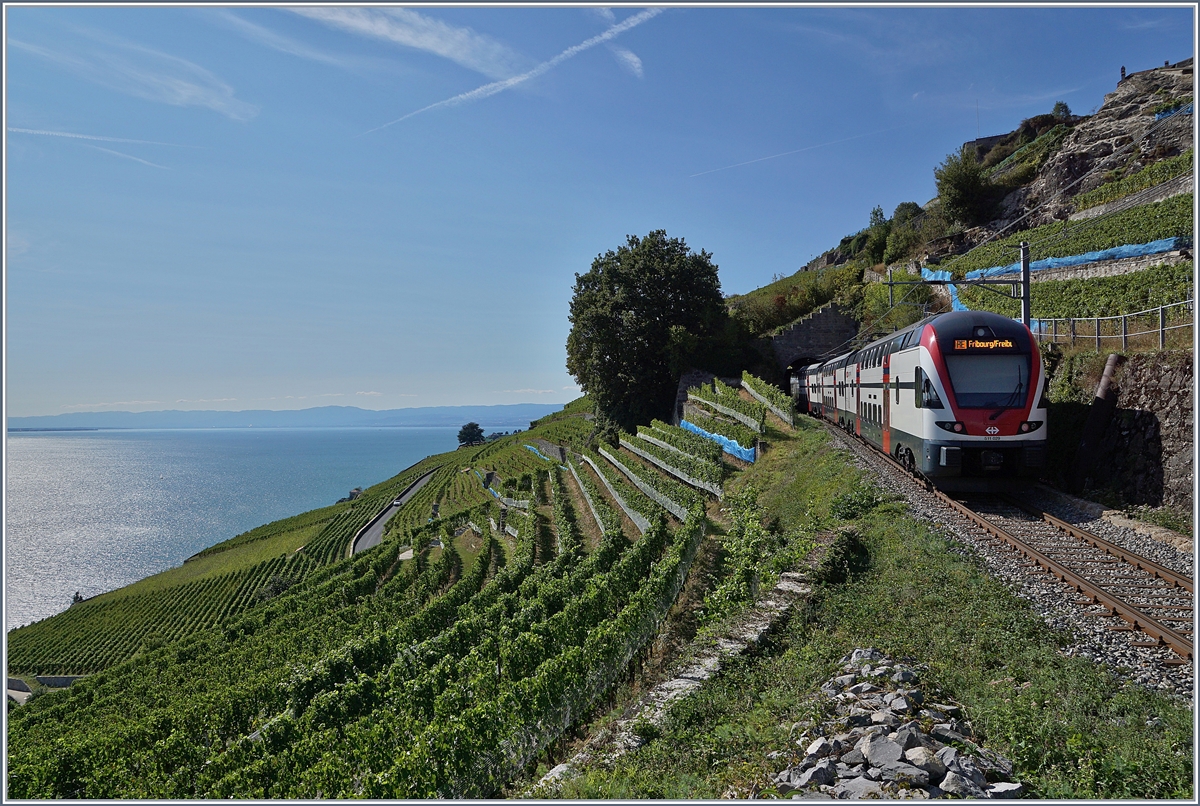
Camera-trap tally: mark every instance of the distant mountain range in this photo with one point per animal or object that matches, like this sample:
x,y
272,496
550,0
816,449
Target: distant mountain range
x,y
517,415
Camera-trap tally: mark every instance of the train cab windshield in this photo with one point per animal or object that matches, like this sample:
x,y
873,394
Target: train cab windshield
x,y
989,381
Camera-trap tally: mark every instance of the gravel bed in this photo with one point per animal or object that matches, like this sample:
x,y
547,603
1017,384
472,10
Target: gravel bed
x,y
1148,547
1053,601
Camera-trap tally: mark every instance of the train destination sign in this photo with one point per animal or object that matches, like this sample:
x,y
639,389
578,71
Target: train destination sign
x,y
974,344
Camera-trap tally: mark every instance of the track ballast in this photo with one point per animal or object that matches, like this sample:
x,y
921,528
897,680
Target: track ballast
x,y
1124,609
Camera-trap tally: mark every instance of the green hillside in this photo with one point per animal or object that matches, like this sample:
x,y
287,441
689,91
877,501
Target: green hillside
x,y
387,674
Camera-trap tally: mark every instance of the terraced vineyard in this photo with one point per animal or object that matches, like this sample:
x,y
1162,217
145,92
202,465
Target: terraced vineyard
x,y
208,590
442,675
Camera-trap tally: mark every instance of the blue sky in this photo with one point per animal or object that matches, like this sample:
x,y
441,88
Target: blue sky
x,y
264,207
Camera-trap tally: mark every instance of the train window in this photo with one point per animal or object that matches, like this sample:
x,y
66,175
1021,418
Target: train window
x,y
925,396
989,381
929,396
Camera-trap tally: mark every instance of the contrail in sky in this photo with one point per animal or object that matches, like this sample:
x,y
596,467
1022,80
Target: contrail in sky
x,y
96,137
796,151
130,157
488,90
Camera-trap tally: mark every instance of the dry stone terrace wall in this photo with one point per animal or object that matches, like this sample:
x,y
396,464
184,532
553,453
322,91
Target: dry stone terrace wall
x,y
1148,445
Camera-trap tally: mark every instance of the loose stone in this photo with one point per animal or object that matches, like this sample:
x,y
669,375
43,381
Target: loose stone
x,y
872,747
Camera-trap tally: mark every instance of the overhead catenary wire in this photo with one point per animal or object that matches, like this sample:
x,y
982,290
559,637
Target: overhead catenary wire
x,y
1042,241
867,331
1149,130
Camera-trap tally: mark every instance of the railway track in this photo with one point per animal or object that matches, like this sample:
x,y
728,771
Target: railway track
x,y
1148,599
1133,594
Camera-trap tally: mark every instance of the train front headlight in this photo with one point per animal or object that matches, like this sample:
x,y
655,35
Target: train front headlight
x,y
954,426
1026,427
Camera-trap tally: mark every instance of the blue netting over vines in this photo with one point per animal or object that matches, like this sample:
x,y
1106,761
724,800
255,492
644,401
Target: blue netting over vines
x,y
730,446
1115,253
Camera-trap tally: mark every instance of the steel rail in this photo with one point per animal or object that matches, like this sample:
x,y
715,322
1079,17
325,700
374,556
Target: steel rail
x,y
1163,635
1116,606
1112,549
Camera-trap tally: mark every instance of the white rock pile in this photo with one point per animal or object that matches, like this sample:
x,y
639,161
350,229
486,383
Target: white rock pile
x,y
886,740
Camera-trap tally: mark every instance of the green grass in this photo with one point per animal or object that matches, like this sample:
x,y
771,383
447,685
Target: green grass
x,y
1070,727
1164,517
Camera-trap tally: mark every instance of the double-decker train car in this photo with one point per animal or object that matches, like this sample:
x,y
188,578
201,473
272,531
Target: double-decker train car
x,y
956,397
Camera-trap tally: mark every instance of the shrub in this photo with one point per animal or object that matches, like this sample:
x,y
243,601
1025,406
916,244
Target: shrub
x,y
966,194
683,440
855,504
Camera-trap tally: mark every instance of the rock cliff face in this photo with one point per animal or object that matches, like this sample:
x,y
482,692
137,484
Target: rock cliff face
x,y
1121,136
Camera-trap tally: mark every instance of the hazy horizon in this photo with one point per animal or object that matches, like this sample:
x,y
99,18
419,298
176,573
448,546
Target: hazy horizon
x,y
499,415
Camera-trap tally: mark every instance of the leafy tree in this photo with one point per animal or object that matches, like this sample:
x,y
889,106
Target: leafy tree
x,y
966,194
904,235
905,212
471,432
912,302
1061,110
639,317
877,217
877,235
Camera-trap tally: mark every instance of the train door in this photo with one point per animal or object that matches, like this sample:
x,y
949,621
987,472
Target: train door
x,y
857,398
887,404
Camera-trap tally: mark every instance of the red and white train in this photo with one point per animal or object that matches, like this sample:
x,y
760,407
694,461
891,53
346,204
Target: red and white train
x,y
956,397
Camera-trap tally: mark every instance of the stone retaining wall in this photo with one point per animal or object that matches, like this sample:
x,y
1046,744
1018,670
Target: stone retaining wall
x,y
1103,268
824,331
1147,448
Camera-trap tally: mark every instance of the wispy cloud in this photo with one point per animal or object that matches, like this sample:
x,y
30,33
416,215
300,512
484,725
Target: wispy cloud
x,y
628,59
15,244
144,73
884,41
523,392
572,388
405,27
207,400
128,157
76,136
794,151
274,40
993,99
110,405
369,394
1146,24
488,90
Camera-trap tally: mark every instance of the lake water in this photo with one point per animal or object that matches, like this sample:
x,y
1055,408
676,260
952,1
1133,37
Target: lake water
x,y
90,511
